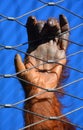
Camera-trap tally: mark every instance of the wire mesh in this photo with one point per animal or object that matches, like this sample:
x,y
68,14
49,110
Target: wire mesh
x,y
75,67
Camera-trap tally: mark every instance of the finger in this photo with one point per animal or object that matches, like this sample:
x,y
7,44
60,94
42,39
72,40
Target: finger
x,y
53,27
31,22
63,23
63,40
19,65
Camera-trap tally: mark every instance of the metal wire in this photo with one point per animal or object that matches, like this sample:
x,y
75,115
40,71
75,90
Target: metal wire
x,y
30,12
45,62
43,90
55,4
58,118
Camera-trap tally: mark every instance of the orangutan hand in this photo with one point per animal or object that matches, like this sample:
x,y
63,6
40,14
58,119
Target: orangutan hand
x,y
45,44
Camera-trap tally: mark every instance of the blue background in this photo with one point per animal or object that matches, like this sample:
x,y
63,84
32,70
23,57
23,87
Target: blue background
x,y
12,33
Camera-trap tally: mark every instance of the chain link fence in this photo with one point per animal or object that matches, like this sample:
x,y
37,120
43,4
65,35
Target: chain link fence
x,y
14,40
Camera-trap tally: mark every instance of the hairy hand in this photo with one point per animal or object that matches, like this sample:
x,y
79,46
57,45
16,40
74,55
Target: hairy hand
x,y
46,43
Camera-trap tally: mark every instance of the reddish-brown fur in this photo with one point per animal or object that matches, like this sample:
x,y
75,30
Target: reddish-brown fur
x,y
46,76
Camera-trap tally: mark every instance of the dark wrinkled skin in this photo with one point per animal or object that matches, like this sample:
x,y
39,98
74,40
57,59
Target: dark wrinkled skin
x,y
45,43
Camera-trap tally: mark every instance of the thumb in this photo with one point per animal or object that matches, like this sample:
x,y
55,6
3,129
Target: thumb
x,y
19,65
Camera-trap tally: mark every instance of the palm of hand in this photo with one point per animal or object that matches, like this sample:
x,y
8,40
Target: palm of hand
x,y
45,46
